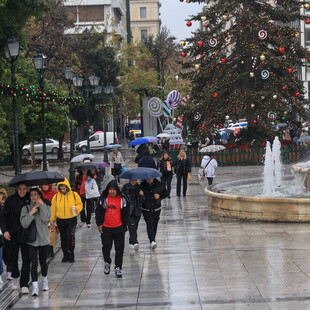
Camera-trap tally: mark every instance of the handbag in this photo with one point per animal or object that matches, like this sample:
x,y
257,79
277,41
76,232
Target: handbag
x,y
91,189
27,235
189,176
53,236
117,166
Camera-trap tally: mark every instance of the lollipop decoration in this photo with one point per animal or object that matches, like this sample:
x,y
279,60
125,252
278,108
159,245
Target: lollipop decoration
x,y
265,74
155,106
173,99
197,117
272,115
262,34
212,42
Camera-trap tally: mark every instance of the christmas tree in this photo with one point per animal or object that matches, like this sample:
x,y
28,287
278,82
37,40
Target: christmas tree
x,y
245,62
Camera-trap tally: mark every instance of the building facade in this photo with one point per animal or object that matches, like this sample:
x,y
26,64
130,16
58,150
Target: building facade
x,y
102,15
145,19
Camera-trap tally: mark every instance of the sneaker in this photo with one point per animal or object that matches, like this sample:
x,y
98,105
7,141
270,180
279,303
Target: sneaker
x,y
131,246
136,246
45,285
9,276
107,268
25,290
15,284
88,226
81,224
1,281
153,245
35,291
118,272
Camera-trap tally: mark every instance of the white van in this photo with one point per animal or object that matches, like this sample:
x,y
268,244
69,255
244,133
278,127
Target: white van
x,y
96,141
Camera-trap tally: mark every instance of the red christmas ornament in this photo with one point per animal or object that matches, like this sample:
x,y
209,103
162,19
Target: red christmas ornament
x,y
290,70
206,25
200,43
309,59
181,117
183,54
255,121
281,49
297,94
284,87
181,0
215,95
308,21
188,24
223,60
271,118
203,125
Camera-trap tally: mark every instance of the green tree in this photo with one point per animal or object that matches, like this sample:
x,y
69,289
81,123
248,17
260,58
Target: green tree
x,y
245,62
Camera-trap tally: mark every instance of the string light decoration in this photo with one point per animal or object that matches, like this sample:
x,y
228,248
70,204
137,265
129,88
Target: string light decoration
x,y
258,29
103,107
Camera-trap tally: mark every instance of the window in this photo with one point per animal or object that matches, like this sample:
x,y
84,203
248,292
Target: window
x,y
91,13
143,12
94,138
143,35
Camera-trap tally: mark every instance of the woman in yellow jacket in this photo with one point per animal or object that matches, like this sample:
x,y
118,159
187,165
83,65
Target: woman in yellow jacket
x,y
66,205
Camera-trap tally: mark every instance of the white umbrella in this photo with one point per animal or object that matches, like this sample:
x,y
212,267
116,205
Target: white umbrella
x,y
304,139
212,148
81,157
163,135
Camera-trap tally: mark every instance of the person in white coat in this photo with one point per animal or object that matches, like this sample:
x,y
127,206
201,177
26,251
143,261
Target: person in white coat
x,y
209,164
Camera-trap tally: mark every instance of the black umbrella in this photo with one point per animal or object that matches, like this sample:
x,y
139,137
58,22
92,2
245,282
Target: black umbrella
x,y
87,166
37,178
140,173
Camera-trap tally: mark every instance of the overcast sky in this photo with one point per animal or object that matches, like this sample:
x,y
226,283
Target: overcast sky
x,y
174,14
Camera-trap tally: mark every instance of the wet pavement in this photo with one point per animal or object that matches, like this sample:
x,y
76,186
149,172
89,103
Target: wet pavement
x,y
200,262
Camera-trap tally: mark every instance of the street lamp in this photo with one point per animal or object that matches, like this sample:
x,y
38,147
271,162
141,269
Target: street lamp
x,y
11,51
108,90
68,72
82,82
40,63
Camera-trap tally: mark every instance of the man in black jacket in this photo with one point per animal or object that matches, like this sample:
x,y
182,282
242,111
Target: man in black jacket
x,y
154,191
147,161
10,224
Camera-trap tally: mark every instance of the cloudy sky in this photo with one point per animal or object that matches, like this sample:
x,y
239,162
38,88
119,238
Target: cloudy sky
x,y
173,16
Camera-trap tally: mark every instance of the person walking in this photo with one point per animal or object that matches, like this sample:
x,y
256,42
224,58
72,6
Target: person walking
x,y
154,192
116,163
135,196
112,214
66,205
209,164
165,167
147,160
81,191
182,169
10,226
40,213
3,196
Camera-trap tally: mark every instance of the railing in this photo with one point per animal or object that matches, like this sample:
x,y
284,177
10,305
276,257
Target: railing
x,y
239,156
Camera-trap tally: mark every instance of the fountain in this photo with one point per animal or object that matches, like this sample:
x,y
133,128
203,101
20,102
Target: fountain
x,y
280,199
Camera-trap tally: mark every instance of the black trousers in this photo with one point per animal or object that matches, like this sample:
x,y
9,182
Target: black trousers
x,y
210,181
67,229
151,220
88,204
166,180
133,224
116,235
12,249
179,180
33,252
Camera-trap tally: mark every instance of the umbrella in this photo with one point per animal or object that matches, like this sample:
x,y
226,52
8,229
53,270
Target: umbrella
x,y
101,164
80,158
139,141
134,130
212,148
151,139
34,178
87,166
304,139
140,173
113,146
163,135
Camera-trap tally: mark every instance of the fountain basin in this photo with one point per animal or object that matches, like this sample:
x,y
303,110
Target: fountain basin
x,y
256,208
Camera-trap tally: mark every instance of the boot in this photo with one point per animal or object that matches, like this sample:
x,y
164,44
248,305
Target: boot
x,y
71,257
35,288
65,258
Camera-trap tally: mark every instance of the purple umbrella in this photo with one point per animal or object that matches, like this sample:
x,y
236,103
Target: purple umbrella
x,y
101,164
151,139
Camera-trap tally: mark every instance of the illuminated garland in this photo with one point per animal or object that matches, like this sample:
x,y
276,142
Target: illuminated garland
x,y
99,107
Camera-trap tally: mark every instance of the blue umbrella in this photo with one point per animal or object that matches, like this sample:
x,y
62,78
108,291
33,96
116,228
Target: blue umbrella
x,y
139,141
140,173
113,146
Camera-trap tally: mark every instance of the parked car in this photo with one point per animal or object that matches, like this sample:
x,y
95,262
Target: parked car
x,y
52,146
96,141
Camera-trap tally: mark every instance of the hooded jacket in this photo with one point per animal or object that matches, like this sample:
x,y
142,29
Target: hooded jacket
x,y
209,164
134,198
147,161
10,214
49,194
102,205
62,203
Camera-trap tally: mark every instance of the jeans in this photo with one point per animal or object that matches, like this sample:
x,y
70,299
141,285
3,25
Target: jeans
x,y
33,252
116,235
133,224
67,235
151,220
12,250
166,180
179,180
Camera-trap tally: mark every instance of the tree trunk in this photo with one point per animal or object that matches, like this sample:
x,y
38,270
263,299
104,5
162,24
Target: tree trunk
x,y
33,157
60,154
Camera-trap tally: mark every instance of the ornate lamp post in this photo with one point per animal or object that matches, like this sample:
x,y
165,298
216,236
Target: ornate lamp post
x,y
11,51
68,72
40,63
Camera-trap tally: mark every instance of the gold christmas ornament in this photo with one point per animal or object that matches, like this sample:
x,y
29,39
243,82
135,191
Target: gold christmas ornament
x,y
197,66
274,96
262,97
262,57
188,1
242,62
227,117
225,17
297,34
174,119
203,18
307,6
252,74
183,43
252,105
